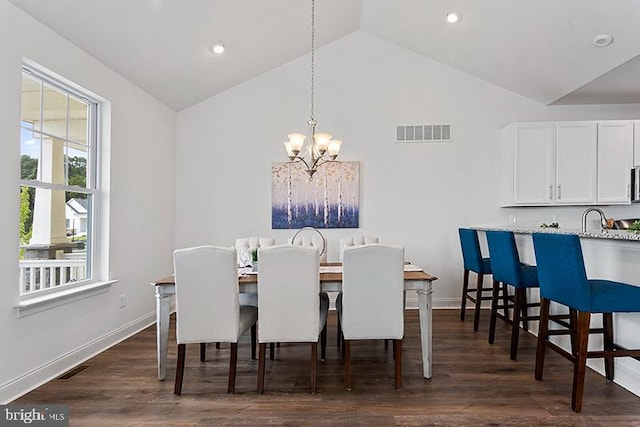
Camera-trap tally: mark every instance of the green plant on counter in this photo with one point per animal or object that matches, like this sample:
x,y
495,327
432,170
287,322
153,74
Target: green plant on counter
x,y
254,255
552,225
635,227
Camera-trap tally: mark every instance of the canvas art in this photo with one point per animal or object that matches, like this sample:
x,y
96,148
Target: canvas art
x,y
328,200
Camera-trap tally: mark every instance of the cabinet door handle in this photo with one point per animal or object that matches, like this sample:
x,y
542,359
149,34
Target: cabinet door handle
x,y
559,192
550,192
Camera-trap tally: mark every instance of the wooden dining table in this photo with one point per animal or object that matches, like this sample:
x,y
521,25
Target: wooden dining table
x,y
415,279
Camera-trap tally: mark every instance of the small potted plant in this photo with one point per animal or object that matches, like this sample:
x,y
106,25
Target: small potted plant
x,y
254,259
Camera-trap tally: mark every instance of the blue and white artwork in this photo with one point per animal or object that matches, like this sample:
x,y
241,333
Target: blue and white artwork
x,y
328,200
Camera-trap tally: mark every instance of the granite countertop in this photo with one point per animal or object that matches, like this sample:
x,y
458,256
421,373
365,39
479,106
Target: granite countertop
x,y
592,234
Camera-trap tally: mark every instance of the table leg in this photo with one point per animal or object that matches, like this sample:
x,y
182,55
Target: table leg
x,y
163,306
425,305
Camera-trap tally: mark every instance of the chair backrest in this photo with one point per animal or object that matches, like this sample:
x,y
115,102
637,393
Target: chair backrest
x,y
207,307
505,261
245,245
311,237
471,253
288,294
356,241
561,270
254,242
373,292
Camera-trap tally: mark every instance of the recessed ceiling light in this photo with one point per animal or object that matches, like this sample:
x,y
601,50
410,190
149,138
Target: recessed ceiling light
x,y
453,17
603,40
217,48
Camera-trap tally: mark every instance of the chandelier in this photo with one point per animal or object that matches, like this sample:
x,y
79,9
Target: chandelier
x,y
321,147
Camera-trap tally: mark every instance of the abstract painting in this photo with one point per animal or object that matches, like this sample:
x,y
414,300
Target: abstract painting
x,y
328,200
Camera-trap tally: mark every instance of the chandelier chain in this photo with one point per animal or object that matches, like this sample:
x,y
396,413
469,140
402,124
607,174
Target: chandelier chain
x,y
313,45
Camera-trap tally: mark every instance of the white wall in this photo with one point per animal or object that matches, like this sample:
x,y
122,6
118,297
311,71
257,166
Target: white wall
x,y
416,195
142,146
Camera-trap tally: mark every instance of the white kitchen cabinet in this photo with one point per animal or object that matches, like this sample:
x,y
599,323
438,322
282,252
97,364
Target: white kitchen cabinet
x,y
566,163
534,164
615,160
576,160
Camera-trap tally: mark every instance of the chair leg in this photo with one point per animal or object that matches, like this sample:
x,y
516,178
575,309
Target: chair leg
x,y
584,320
543,331
217,346
271,351
253,342
233,362
525,311
476,317
338,330
465,286
573,324
397,346
314,368
262,349
494,311
177,388
203,351
505,300
323,343
346,346
520,305
607,324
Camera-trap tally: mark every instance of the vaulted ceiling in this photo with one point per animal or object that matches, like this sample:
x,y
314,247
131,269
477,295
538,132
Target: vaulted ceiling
x,y
541,49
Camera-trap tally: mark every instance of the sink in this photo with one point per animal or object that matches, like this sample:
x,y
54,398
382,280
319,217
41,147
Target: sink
x,y
624,224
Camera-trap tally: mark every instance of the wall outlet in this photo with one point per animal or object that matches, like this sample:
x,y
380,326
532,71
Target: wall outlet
x,y
123,301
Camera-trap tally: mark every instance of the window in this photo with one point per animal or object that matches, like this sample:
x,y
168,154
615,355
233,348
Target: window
x,y
58,185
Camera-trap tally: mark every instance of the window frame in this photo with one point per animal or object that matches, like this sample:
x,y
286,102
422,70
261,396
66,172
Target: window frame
x,y
92,188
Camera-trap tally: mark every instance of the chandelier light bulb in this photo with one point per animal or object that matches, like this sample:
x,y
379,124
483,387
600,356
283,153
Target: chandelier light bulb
x,y
334,148
296,140
322,141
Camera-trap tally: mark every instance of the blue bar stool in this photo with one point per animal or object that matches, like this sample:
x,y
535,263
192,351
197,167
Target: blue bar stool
x,y
508,270
563,279
473,261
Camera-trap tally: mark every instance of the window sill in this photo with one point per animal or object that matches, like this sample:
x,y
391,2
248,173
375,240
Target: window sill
x,y
29,305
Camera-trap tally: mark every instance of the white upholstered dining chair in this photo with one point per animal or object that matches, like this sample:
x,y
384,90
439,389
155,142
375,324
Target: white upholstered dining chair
x,y
290,304
372,305
248,244
207,304
347,242
311,237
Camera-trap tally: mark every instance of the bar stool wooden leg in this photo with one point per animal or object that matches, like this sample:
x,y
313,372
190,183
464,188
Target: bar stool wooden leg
x,y
494,311
520,305
584,320
476,317
465,287
543,332
607,324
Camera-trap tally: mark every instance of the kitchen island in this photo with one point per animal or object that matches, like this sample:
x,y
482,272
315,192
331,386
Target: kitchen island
x,y
608,254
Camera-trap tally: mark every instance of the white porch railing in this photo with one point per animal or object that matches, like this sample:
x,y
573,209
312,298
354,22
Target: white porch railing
x,y
40,274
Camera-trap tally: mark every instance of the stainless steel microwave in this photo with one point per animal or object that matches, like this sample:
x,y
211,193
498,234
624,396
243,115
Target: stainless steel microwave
x,y
635,185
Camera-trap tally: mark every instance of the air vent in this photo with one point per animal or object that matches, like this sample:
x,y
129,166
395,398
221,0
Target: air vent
x,y
423,133
73,372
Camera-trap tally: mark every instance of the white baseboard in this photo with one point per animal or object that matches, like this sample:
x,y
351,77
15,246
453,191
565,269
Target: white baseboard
x,y
28,381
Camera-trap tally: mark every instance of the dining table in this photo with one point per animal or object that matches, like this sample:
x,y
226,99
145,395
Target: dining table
x,y
415,279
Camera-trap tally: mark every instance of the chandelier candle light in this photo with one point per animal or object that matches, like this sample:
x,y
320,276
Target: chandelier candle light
x,y
319,143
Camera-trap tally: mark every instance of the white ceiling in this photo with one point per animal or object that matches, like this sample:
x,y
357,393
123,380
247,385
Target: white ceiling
x,y
541,49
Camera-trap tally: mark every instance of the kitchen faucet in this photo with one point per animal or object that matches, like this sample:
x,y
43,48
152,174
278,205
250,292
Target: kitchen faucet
x,y
603,219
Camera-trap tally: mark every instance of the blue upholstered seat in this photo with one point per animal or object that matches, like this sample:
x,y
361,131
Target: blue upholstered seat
x,y
563,265
471,254
473,261
563,279
508,270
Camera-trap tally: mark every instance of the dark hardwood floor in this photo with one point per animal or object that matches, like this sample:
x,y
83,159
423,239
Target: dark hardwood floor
x,y
473,383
